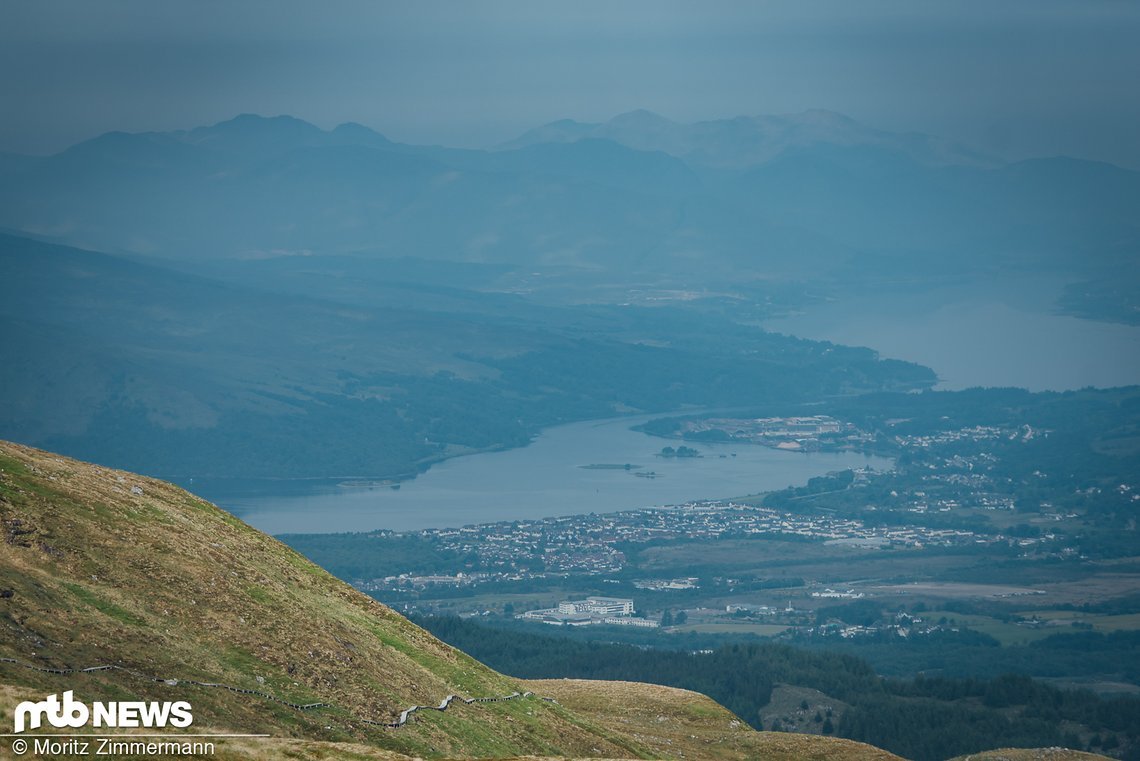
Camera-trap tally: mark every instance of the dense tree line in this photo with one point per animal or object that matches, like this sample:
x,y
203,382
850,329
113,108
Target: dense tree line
x,y
974,655
739,676
926,729
923,719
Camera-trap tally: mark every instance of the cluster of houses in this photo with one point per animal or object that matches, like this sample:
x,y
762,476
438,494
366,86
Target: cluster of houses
x,y
588,544
975,433
833,594
801,432
660,585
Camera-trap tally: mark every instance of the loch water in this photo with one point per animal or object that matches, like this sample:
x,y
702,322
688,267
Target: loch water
x,y
543,479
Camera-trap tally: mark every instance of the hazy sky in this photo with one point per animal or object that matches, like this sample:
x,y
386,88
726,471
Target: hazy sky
x,y
1019,78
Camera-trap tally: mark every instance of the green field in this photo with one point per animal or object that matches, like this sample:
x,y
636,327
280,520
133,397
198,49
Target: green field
x,y
1100,623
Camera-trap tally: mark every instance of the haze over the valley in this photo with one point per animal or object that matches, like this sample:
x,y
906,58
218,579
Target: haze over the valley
x,y
782,352
1017,79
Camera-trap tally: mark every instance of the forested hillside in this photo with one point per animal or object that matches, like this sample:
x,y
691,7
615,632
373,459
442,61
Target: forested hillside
x,y
921,719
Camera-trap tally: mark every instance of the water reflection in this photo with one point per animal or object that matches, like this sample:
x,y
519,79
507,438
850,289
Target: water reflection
x,y
543,479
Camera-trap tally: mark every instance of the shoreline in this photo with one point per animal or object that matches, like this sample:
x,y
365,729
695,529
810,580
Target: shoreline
x,y
544,480
425,465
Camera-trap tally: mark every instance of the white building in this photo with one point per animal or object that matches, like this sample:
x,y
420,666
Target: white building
x,y
631,621
598,606
609,606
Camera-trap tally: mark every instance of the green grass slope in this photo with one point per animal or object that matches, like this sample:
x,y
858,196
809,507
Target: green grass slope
x,y
102,567
1032,754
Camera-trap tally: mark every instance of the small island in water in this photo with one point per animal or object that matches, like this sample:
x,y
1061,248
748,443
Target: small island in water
x,y
681,451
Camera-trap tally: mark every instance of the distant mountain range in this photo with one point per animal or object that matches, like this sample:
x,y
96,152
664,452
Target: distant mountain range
x,y
753,197
364,307
750,140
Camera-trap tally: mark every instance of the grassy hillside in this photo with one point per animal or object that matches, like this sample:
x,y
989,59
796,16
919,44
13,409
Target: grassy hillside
x,y
673,722
101,567
1031,754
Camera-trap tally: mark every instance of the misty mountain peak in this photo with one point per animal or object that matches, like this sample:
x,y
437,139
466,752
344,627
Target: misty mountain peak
x,y
561,131
569,124
250,122
823,116
255,133
641,119
356,133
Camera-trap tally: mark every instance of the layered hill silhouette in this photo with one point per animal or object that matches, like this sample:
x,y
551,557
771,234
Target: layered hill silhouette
x,y
750,140
141,366
121,587
763,196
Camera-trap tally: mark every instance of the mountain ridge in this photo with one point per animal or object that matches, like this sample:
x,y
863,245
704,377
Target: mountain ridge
x,y
742,141
638,197
139,365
